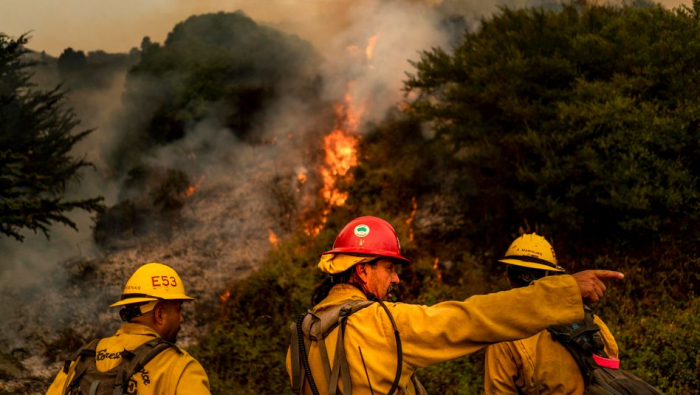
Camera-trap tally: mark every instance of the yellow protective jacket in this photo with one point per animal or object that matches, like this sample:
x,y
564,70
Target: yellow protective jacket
x,y
433,334
169,373
537,365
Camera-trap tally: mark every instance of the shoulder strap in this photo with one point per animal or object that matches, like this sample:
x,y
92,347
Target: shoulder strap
x,y
82,358
316,327
134,361
340,362
582,340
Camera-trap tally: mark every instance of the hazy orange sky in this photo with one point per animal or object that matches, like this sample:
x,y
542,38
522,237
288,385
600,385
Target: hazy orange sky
x,y
119,25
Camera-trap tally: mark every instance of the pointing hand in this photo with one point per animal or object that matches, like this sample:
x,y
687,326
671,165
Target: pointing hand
x,y
591,285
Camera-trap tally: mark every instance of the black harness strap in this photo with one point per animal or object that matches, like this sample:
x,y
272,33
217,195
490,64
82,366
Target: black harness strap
x,y
399,351
304,357
582,340
80,366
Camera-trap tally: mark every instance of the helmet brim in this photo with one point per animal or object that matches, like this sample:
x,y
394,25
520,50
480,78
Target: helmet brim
x,y
127,301
367,252
531,265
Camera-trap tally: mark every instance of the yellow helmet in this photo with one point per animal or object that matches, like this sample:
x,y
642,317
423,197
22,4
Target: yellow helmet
x,y
150,283
533,251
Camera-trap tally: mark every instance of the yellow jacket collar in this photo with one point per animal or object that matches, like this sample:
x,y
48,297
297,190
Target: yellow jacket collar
x,y
136,329
339,295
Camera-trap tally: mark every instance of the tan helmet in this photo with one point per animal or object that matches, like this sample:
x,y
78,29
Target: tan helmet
x,y
533,251
152,282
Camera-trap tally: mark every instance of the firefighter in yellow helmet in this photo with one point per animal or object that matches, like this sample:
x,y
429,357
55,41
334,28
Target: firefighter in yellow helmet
x,y
537,364
141,358
351,342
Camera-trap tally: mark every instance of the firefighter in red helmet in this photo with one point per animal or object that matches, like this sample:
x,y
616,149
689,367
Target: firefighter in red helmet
x,y
353,342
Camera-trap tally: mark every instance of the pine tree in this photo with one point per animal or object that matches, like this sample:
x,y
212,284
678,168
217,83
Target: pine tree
x,y
36,137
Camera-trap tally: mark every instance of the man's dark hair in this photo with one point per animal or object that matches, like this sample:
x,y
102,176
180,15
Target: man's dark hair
x,y
322,290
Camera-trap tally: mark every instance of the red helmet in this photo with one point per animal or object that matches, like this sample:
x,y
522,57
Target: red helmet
x,y
368,236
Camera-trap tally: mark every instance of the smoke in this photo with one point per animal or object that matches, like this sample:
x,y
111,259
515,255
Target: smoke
x,y
373,52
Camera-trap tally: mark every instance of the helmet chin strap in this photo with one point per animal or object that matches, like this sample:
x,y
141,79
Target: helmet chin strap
x,y
132,311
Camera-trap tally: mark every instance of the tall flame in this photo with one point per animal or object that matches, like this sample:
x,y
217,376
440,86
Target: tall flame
x,y
340,145
340,157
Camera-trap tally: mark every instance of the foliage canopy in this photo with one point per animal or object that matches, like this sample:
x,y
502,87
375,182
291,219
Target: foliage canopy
x,y
585,118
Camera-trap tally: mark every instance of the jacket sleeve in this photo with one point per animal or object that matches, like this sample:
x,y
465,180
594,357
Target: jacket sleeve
x,y
500,369
193,379
453,329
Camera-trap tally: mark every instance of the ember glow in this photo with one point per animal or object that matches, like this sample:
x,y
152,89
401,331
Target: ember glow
x,y
437,268
224,296
272,237
412,217
193,188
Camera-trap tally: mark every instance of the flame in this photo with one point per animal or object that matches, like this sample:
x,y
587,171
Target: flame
x,y
412,217
340,156
193,188
302,178
272,237
435,267
340,145
372,43
224,296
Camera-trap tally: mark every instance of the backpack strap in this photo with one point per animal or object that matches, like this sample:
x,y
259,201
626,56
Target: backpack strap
x,y
134,361
582,340
315,333
82,358
340,362
314,326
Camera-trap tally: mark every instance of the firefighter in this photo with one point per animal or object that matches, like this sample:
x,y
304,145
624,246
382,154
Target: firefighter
x,y
352,342
537,364
151,310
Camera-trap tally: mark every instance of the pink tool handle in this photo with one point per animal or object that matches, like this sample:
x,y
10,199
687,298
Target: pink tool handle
x,y
607,362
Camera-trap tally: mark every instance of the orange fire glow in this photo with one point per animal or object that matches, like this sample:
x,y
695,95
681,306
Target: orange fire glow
x,y
436,267
340,145
272,237
412,217
369,51
193,188
224,296
340,156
